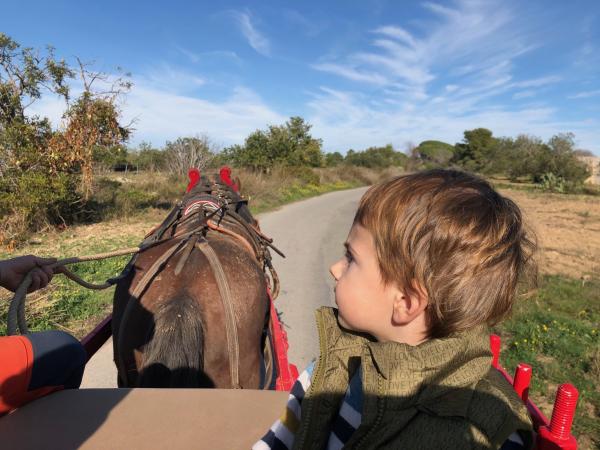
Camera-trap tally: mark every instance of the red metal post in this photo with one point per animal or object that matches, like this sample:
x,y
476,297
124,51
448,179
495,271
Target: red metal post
x,y
286,372
97,337
558,435
495,343
522,380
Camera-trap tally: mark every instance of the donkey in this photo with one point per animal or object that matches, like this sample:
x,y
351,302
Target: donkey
x,y
192,310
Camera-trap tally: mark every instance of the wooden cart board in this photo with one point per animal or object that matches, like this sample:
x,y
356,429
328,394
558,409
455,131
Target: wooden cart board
x,y
143,419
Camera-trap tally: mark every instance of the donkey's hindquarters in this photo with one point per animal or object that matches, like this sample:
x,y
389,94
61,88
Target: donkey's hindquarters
x,y
173,356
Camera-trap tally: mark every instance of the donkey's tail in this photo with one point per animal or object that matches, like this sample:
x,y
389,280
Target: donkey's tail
x,y
173,356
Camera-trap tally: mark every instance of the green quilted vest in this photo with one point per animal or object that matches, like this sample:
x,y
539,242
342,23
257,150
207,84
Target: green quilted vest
x,y
441,394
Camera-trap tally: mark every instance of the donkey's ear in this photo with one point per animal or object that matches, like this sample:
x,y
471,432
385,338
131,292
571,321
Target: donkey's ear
x,y
238,183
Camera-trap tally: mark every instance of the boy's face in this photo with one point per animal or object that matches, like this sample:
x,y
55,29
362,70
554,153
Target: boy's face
x,y
365,303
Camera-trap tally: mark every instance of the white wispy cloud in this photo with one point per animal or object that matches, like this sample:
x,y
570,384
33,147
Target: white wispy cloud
x,y
537,82
352,73
172,79
255,38
473,48
524,94
344,120
311,27
585,94
192,56
477,41
196,57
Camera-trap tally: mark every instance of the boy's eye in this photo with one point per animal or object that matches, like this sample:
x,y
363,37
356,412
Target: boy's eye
x,y
349,257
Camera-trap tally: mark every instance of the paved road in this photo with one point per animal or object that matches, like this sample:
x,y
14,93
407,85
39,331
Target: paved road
x,y
311,234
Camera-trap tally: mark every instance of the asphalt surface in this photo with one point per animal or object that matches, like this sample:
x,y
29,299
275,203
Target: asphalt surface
x,y
311,234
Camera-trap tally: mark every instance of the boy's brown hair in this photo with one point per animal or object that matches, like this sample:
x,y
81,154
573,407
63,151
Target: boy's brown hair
x,y
451,234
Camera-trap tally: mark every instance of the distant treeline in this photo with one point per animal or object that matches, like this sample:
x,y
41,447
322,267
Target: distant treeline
x,y
554,164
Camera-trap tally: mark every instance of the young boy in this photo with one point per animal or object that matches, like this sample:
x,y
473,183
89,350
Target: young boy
x,y
432,258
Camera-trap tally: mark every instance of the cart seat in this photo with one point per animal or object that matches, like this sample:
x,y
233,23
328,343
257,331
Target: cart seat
x,y
143,419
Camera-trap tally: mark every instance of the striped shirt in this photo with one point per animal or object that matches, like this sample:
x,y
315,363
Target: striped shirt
x,y
281,434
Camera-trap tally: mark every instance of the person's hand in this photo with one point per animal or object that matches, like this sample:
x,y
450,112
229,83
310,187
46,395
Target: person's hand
x,y
13,271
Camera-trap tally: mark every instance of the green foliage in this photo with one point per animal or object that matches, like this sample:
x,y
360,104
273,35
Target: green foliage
x,y
376,157
476,148
36,199
434,153
115,199
552,183
303,174
554,165
333,159
30,194
146,157
108,157
24,76
557,331
290,145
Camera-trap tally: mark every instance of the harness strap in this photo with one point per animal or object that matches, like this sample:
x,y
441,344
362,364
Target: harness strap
x,y
185,254
234,235
230,323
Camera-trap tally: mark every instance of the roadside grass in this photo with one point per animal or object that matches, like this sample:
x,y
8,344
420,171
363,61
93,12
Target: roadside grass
x,y
66,305
557,332
504,183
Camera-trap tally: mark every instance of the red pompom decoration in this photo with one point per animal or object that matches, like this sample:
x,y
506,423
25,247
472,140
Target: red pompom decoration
x,y
225,174
194,176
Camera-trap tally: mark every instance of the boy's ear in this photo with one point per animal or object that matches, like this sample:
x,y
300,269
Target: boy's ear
x,y
408,305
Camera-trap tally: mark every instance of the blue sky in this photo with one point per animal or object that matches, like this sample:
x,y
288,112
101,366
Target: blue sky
x,y
361,72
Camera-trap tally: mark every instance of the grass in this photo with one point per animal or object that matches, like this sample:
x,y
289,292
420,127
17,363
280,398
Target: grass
x,y
65,304
557,332
586,189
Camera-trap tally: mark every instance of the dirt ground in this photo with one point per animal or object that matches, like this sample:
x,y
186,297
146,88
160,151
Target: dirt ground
x,y
568,231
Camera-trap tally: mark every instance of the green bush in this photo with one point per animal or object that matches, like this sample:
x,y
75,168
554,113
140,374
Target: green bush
x,y
376,157
333,159
304,174
434,153
290,144
32,200
552,183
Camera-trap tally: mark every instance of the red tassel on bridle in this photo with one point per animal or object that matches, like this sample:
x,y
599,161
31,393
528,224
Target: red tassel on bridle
x,y
194,176
225,174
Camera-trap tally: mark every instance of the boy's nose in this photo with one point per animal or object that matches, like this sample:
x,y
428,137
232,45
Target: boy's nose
x,y
335,270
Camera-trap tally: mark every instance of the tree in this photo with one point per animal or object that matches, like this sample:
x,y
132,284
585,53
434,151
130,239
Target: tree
x,y
333,159
185,153
559,159
376,157
146,157
434,153
41,170
24,76
553,164
290,144
475,150
92,125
